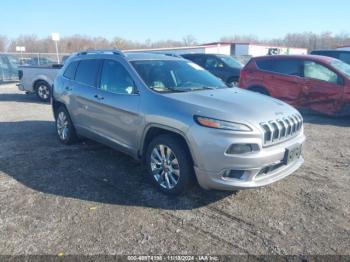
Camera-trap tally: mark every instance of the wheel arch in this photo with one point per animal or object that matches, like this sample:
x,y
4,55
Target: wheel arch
x,y
232,78
154,130
37,81
257,87
55,106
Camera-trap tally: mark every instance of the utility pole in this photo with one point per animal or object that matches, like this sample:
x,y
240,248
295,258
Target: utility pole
x,y
56,38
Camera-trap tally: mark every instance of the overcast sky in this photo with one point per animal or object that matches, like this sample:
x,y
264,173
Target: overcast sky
x,y
207,20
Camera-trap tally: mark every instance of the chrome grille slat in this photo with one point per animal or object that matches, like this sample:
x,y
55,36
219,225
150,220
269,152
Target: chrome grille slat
x,y
293,125
272,132
281,129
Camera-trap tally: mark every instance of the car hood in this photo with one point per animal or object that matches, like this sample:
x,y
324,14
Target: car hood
x,y
234,104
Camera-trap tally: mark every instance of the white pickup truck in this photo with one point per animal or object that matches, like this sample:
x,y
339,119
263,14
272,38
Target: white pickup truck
x,y
38,80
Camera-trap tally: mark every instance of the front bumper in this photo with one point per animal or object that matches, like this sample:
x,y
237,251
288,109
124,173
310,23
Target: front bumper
x,y
20,87
209,180
259,168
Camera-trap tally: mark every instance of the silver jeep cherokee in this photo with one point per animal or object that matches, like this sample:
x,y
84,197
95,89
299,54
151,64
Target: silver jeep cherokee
x,y
180,120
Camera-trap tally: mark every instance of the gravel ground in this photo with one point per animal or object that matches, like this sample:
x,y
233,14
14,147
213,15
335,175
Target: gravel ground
x,y
90,199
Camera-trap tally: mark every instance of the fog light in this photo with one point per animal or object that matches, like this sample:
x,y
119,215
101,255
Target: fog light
x,y
242,149
236,174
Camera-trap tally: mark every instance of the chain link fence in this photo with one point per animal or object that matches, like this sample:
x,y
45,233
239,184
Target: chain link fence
x,y
10,62
38,59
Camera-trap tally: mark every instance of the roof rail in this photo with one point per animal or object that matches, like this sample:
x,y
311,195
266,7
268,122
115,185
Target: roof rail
x,y
101,51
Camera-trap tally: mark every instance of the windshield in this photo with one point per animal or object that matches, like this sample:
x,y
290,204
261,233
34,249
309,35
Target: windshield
x,y
342,67
175,76
231,62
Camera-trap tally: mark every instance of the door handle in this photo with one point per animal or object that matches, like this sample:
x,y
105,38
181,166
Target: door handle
x,y
98,97
68,88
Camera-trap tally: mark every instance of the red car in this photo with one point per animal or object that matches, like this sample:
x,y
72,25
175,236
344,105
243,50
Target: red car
x,y
307,81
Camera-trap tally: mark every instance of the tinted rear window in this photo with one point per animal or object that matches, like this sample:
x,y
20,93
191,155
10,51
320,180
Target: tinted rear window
x,y
200,60
345,57
87,72
326,53
70,70
281,66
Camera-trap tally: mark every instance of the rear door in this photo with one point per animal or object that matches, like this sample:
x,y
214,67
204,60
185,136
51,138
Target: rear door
x,y
116,105
282,78
323,87
81,94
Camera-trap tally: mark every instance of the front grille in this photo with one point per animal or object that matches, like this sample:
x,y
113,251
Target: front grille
x,y
278,130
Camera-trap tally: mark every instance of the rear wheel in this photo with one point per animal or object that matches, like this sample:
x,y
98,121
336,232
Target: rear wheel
x,y
169,165
43,91
64,126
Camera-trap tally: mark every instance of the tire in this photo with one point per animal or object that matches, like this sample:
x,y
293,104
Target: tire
x,y
43,91
260,90
172,174
64,127
233,82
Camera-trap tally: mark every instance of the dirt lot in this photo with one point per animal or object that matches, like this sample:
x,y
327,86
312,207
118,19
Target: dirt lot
x,y
89,199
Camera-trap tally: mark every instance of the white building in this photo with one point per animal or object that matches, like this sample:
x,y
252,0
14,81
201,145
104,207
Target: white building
x,y
344,48
234,49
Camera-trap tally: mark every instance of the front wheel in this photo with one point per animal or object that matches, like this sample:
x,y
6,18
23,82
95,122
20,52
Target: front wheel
x,y
64,126
233,82
169,164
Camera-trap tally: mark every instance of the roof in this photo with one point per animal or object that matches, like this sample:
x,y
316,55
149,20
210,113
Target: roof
x,y
344,46
130,56
332,50
317,58
250,43
133,56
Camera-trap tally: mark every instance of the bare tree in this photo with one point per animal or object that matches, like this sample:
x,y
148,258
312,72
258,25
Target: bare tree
x,y
189,40
240,39
3,43
74,43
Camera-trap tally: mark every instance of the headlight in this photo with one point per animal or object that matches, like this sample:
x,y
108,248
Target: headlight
x,y
220,124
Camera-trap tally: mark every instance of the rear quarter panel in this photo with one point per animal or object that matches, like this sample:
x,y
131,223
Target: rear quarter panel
x,y
32,74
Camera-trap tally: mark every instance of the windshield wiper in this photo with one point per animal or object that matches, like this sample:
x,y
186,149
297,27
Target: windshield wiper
x,y
168,90
202,88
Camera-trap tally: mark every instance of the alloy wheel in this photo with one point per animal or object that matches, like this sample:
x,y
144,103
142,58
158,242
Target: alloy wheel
x,y
165,166
43,92
62,126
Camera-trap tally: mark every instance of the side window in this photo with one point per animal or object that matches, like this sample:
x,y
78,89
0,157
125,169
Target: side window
x,y
265,64
326,53
198,60
115,78
213,62
87,72
70,70
4,63
290,67
345,57
317,71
